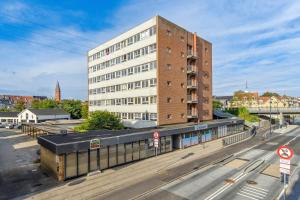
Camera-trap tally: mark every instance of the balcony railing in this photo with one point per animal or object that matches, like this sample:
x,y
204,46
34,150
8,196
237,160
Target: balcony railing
x,y
191,84
191,99
191,69
191,54
192,114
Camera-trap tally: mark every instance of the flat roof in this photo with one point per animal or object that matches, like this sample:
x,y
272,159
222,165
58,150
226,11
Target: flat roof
x,y
64,143
9,114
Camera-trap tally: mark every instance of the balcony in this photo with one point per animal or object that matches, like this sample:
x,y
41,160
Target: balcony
x,y
192,114
191,55
191,69
191,84
191,98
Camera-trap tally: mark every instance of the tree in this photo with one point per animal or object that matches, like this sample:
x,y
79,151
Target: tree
x,y
20,105
84,110
217,104
270,94
4,110
99,120
73,107
35,104
243,113
48,103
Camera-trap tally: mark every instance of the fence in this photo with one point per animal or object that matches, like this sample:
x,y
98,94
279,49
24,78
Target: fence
x,y
236,138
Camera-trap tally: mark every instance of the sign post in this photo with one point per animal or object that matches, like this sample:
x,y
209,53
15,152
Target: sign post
x,y
285,153
95,143
156,139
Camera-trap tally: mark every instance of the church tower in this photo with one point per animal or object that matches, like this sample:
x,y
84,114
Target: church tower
x,y
57,95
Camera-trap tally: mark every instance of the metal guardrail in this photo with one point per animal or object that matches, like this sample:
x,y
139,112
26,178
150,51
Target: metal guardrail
x,y
236,138
274,110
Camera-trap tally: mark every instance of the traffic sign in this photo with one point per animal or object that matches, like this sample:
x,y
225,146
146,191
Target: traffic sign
x,y
285,152
285,166
283,161
156,143
156,135
285,171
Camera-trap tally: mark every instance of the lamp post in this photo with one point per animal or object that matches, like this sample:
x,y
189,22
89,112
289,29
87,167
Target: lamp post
x,y
270,117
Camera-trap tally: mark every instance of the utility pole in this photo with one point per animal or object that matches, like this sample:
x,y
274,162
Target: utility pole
x,y
270,117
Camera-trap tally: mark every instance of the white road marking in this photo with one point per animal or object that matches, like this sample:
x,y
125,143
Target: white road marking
x,y
225,187
253,192
247,196
250,195
266,191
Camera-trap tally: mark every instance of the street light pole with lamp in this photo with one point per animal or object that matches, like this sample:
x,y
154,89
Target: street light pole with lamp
x,y
270,117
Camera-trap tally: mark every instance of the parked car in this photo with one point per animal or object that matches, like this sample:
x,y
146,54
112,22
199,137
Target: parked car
x,y
2,125
18,126
9,126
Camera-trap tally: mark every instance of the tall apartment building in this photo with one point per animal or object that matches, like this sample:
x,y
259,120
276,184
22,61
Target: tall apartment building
x,y
155,74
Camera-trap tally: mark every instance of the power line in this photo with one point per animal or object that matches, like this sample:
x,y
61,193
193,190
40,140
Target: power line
x,y
46,27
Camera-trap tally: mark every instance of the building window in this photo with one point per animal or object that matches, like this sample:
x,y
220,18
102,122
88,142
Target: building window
x,y
152,65
130,41
168,99
206,63
144,67
145,116
169,33
130,86
169,83
137,84
169,66
130,71
182,54
153,82
130,115
152,48
124,101
168,50
137,116
118,101
152,99
182,100
136,53
145,83
137,100
182,115
145,100
153,116
182,85
182,38
169,116
130,101
124,115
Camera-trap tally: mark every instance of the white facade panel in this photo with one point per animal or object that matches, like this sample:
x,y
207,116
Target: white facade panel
x,y
124,36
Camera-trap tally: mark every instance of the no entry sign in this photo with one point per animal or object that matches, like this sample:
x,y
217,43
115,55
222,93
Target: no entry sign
x,y
285,152
156,135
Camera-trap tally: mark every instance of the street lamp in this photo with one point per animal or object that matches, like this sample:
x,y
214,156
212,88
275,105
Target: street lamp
x,y
270,117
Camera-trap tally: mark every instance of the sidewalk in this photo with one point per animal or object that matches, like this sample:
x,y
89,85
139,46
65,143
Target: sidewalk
x,y
118,177
286,129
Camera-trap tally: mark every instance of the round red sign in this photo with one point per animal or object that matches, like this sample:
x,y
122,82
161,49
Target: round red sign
x,y
285,152
156,135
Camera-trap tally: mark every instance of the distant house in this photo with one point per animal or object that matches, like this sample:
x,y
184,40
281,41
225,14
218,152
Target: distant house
x,y
9,117
41,115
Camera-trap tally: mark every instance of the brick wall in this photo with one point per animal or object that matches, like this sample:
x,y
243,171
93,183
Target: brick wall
x,y
171,62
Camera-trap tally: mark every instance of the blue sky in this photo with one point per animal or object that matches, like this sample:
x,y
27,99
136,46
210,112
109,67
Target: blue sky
x,y
45,41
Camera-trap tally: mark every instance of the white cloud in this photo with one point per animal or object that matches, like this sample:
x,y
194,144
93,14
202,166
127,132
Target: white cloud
x,y
252,40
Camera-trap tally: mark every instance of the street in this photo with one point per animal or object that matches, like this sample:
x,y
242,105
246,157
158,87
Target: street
x,y
252,175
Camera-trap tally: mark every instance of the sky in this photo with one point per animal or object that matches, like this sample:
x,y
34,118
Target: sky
x,y
45,41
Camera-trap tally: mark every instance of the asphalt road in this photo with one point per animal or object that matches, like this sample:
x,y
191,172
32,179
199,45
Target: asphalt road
x,y
19,174
251,175
155,184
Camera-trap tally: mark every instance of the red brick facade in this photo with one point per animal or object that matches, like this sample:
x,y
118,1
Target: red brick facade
x,y
174,48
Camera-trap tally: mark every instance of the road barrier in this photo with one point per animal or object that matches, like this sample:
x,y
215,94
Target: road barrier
x,y
236,138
